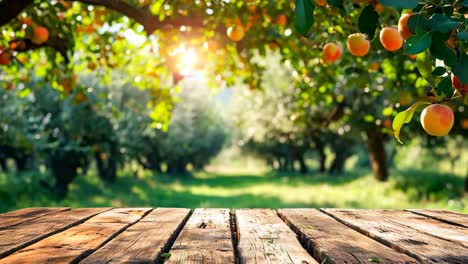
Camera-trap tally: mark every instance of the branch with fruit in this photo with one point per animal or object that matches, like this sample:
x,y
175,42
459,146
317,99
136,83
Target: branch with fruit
x,y
436,32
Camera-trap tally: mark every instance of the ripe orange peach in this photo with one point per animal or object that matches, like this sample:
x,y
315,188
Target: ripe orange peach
x,y
145,2
282,20
437,120
235,32
405,98
391,39
41,35
457,85
464,123
80,98
387,123
403,26
321,2
375,66
357,44
379,8
27,21
4,58
331,52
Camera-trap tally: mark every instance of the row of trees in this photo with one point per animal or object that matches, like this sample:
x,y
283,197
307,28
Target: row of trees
x,y
351,93
109,125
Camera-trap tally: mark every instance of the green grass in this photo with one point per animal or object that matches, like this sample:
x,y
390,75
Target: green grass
x,y
355,189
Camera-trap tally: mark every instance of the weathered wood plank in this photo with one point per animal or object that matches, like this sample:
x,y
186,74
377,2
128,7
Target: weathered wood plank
x,y
27,233
444,216
145,241
26,214
394,229
205,238
264,238
334,242
79,241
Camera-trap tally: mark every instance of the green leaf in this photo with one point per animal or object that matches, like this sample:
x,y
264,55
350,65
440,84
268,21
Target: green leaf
x,y
417,21
440,50
424,63
460,71
442,23
400,4
336,3
166,256
445,87
462,35
439,71
374,260
304,16
418,43
368,21
403,118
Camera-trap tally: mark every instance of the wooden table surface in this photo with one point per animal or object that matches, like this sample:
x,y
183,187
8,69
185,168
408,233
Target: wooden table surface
x,y
177,235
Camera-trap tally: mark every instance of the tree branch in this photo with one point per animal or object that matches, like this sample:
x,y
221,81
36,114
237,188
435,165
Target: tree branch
x,y
11,9
58,44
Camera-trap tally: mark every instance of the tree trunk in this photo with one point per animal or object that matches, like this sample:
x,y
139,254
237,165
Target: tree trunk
x,y
302,164
338,163
322,157
64,172
466,183
107,169
377,155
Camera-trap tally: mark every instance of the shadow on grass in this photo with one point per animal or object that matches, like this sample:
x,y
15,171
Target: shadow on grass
x,y
422,185
128,191
235,181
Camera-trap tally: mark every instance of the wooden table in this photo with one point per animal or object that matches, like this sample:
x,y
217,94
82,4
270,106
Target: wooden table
x,y
176,235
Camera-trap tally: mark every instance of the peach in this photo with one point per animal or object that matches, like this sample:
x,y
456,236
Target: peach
x,y
282,20
4,58
41,35
403,26
437,120
357,44
331,52
235,32
391,39
457,85
321,2
405,98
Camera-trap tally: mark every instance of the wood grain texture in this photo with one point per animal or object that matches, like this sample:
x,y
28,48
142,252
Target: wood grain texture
x,y
396,230
27,233
264,238
27,214
444,216
79,241
145,241
205,238
332,242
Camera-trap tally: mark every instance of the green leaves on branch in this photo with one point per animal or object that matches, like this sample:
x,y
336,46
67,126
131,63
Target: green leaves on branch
x,y
368,21
418,43
400,4
442,23
304,16
424,63
445,87
403,118
439,71
460,69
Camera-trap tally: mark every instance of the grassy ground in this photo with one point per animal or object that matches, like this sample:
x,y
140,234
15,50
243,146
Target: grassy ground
x,y
246,188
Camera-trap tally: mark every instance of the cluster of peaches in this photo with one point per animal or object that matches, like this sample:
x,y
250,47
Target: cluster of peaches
x,y
358,44
436,119
39,36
